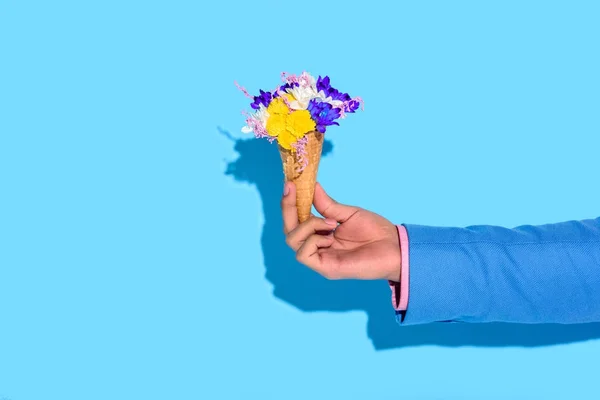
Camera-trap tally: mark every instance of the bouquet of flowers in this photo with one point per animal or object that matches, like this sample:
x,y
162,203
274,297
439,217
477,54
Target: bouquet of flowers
x,y
296,115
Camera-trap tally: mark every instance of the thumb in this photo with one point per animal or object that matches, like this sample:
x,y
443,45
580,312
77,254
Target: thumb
x,y
329,208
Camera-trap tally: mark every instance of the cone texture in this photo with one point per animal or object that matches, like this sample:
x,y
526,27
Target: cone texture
x,y
305,181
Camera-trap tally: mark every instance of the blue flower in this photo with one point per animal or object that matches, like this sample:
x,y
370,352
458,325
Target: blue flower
x,y
264,99
323,114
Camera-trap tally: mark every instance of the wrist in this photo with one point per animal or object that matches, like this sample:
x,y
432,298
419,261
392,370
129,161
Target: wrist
x,y
399,280
395,270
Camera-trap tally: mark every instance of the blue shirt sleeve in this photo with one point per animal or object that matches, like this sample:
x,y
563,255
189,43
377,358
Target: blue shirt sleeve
x,y
529,274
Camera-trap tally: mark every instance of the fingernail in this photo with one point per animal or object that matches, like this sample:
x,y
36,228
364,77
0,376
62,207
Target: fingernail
x,y
330,221
286,189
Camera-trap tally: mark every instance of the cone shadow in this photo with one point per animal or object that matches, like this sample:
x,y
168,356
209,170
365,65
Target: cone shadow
x,y
259,163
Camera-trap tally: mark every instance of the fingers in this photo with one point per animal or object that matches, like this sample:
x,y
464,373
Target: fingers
x,y
296,238
288,207
308,253
329,208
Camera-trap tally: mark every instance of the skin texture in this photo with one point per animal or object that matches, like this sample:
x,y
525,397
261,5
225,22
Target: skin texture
x,y
348,243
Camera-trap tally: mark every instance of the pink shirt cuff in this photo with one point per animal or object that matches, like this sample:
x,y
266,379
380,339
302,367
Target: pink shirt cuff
x,y
400,289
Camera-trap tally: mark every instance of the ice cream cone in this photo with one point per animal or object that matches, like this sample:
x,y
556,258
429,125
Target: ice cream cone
x,y
306,179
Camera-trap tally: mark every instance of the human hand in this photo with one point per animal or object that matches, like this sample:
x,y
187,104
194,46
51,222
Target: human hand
x,y
363,246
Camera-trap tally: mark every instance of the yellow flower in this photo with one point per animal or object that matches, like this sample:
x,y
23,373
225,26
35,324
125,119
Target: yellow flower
x,y
276,124
286,139
278,106
299,123
287,127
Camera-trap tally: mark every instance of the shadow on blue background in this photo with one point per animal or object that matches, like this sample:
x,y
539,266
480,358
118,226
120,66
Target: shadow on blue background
x,y
259,164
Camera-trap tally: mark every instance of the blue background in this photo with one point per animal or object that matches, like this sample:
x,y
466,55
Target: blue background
x,y
141,252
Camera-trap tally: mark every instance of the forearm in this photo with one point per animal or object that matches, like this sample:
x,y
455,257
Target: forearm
x,y
530,274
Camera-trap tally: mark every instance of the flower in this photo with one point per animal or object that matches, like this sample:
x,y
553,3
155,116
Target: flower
x,y
301,153
262,115
300,123
323,114
259,118
302,95
285,126
323,83
264,99
336,95
351,106
283,88
286,140
278,105
305,79
333,96
300,105
276,125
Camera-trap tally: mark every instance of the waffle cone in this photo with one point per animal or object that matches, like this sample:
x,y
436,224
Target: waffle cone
x,y
305,181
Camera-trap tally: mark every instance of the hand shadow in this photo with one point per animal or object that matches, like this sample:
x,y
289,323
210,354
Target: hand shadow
x,y
259,164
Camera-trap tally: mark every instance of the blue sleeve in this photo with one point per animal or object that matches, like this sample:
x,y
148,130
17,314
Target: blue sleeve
x,y
529,274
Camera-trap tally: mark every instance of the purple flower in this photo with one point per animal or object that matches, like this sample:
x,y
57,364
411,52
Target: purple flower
x,y
351,106
323,84
323,114
337,95
264,99
284,87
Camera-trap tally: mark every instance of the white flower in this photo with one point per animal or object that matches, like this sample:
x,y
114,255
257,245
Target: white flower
x,y
334,103
304,92
260,116
306,79
302,96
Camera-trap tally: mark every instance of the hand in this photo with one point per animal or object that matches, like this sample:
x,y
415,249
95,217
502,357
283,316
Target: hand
x,y
363,246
